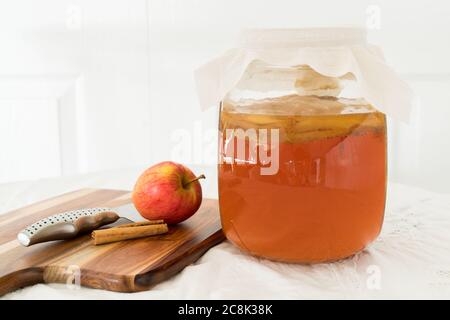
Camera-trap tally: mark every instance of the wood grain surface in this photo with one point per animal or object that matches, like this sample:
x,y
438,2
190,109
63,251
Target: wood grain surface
x,y
126,266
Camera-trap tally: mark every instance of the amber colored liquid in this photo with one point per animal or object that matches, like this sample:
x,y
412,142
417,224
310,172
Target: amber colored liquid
x,y
326,202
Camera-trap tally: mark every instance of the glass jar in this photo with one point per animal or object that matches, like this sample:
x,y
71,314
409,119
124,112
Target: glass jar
x,y
302,165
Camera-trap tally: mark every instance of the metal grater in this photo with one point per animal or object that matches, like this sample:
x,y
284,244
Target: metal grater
x,y
66,225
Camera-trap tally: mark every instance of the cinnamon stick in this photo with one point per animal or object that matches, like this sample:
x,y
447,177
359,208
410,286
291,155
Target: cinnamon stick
x,y
126,233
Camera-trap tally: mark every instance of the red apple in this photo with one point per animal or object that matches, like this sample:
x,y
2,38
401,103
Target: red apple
x,y
168,191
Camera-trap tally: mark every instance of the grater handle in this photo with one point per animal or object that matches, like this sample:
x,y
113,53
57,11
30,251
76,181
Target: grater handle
x,y
89,223
66,228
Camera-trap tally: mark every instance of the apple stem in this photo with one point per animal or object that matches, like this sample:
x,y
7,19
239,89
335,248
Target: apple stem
x,y
202,176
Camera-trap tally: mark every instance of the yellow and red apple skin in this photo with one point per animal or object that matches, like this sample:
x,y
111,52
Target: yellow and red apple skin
x,y
160,193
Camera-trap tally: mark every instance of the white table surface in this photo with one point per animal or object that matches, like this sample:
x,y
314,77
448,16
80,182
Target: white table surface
x,y
410,259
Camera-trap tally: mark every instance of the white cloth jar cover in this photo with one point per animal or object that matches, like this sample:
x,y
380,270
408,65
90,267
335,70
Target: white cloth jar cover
x,y
332,52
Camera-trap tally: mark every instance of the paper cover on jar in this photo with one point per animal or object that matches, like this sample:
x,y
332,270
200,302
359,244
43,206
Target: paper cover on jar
x,y
332,52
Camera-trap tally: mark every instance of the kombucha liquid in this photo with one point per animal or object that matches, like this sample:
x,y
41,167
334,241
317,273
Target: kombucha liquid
x,y
326,201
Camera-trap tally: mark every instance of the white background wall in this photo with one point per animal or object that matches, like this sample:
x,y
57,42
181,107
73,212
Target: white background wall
x,y
104,84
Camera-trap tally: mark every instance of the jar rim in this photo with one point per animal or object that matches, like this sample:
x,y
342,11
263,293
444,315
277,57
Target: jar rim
x,y
301,37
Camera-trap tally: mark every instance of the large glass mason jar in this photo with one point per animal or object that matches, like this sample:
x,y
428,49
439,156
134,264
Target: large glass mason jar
x,y
302,144
302,166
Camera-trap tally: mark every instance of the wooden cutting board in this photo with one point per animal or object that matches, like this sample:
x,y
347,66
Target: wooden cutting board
x,y
125,266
